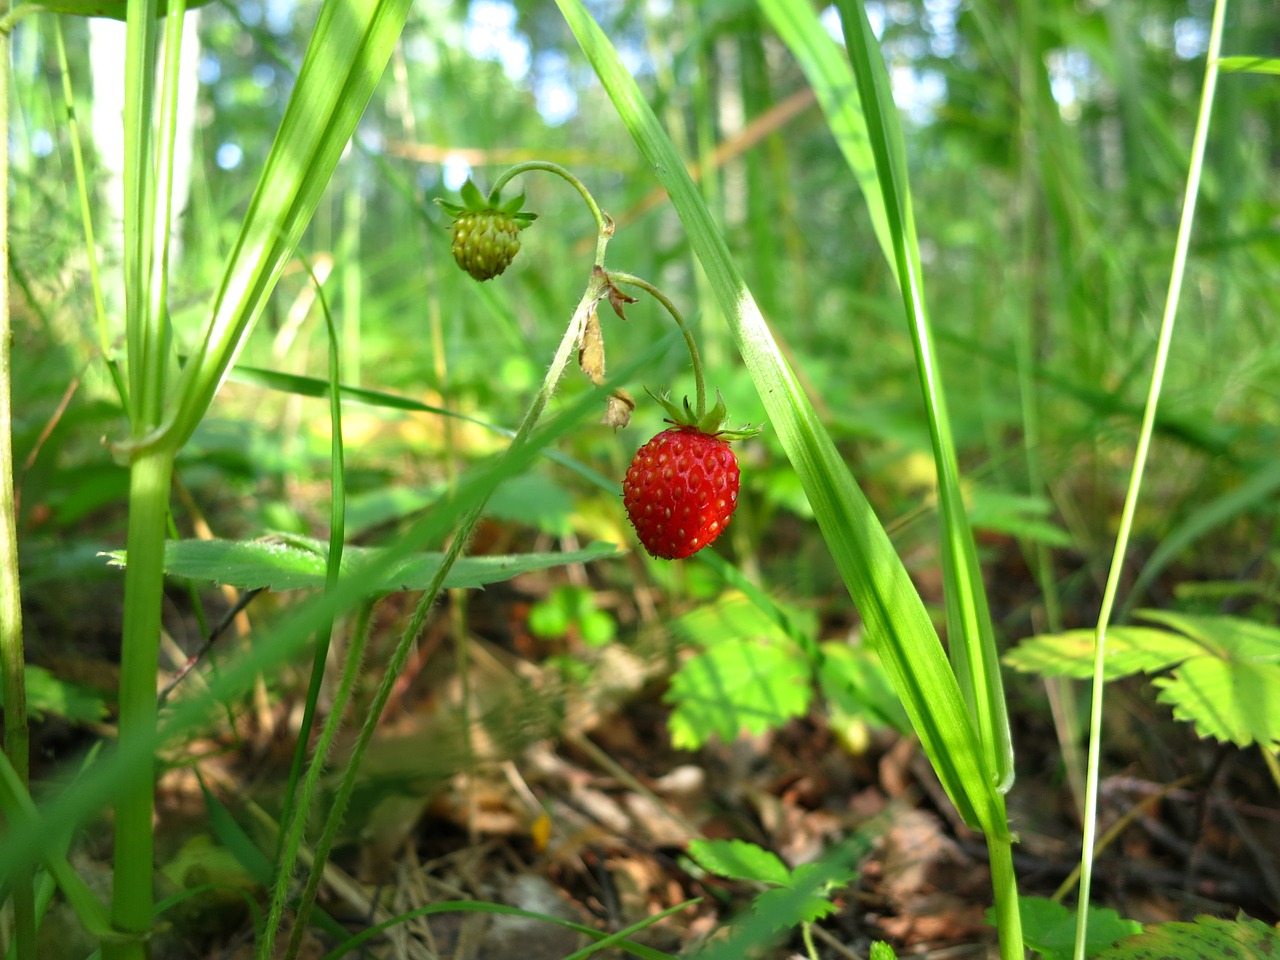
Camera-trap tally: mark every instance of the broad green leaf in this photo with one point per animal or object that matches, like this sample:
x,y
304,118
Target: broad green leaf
x,y
1224,671
1130,650
1208,938
895,616
1227,699
737,685
299,564
806,899
1049,928
1016,514
739,860
735,617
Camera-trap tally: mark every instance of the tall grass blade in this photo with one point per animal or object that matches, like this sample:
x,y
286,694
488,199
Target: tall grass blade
x,y
973,647
874,575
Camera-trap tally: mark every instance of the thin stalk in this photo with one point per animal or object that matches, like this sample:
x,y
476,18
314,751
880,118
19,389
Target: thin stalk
x,y
604,225
595,291
149,477
1181,247
82,187
17,737
700,390
291,837
337,539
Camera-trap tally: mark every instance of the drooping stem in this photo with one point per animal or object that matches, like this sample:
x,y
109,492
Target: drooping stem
x,y
604,225
700,389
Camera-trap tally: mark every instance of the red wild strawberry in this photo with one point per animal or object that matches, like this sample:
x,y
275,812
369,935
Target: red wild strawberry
x,y
680,491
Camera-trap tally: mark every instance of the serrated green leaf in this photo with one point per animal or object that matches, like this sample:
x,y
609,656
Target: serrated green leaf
x,y
1224,636
882,951
737,685
739,860
734,617
1225,671
1226,699
1208,938
1130,650
806,898
299,564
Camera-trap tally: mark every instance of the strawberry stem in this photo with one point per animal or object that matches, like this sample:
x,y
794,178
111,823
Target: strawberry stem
x,y
604,223
700,390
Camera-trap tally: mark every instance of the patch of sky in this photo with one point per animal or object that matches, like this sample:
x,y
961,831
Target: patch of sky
x,y
940,18
228,156
454,173
209,69
263,76
553,90
490,34
280,16
1072,80
917,92
250,13
41,143
1190,37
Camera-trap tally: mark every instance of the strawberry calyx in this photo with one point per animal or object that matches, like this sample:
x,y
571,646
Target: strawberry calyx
x,y
473,201
485,232
710,423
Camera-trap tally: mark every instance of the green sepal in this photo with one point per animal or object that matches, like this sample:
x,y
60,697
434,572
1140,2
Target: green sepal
x,y
472,197
511,206
709,423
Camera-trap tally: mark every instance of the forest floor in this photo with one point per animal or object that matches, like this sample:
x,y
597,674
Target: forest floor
x,y
569,801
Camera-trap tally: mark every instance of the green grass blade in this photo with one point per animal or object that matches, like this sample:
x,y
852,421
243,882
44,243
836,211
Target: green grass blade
x,y
352,42
892,609
832,81
973,648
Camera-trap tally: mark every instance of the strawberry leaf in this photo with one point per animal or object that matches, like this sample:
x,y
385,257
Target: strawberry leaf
x,y
738,685
739,860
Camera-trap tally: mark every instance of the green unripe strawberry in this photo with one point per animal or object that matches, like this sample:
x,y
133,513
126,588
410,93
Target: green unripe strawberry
x,y
485,231
485,243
